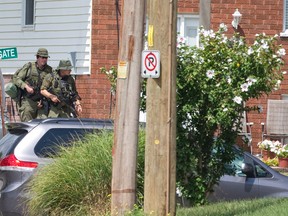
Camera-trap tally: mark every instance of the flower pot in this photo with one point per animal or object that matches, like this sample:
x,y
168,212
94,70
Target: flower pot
x,y
272,155
283,162
266,154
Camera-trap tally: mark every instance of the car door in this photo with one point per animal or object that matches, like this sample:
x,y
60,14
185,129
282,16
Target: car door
x,y
271,183
235,184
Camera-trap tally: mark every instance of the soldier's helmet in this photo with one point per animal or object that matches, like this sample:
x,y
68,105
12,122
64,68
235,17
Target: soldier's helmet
x,y
42,52
64,65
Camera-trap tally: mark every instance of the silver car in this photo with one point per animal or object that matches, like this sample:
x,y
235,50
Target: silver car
x,y
248,177
30,145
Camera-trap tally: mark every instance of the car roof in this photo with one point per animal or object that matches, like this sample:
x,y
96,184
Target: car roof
x,y
59,121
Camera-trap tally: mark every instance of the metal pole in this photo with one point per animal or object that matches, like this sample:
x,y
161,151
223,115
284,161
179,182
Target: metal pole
x,y
3,104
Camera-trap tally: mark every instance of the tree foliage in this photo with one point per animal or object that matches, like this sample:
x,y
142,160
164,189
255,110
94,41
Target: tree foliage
x,y
214,81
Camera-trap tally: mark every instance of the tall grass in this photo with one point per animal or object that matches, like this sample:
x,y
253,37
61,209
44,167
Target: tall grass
x,y
78,182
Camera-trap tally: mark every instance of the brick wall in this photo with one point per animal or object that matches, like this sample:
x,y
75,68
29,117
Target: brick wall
x,y
257,16
188,6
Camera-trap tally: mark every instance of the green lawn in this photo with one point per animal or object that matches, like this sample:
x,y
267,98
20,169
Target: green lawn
x,y
257,207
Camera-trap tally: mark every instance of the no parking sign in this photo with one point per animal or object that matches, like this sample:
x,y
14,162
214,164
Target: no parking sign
x,y
150,66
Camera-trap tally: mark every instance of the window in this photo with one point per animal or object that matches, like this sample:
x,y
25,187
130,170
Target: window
x,y
285,15
285,20
187,27
29,12
49,144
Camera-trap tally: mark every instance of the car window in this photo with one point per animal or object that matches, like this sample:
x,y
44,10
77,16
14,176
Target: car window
x,y
262,172
235,167
10,140
49,144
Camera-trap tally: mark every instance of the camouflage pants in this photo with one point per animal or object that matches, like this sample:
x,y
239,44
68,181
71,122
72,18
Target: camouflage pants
x,y
59,111
29,110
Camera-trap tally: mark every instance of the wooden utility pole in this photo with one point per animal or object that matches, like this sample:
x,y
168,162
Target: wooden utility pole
x,y
160,146
127,107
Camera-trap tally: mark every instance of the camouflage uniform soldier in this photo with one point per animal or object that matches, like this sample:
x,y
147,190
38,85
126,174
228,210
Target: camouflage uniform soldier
x,y
60,90
29,80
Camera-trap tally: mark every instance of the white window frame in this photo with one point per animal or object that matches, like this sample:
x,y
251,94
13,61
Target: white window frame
x,y
24,12
182,18
285,19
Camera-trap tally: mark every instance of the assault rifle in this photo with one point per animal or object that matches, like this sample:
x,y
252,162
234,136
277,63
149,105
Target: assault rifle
x,y
36,87
66,100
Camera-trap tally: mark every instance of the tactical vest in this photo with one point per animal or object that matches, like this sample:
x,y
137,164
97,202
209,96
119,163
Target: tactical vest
x,y
62,88
35,78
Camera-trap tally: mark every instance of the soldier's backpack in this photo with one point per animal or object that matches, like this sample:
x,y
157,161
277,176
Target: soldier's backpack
x,y
11,89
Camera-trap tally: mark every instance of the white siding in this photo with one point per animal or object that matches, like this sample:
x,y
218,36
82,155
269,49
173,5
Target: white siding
x,y
61,26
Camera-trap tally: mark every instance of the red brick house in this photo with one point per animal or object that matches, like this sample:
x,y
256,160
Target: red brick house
x,y
258,16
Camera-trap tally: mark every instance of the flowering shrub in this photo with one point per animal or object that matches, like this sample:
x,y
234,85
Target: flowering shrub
x,y
282,151
275,146
265,144
112,76
214,81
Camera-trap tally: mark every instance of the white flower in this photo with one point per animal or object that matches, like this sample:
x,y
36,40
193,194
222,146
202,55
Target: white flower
x,y
237,99
181,41
265,144
275,146
265,46
250,81
277,85
284,72
244,87
281,52
178,191
224,27
224,39
250,51
210,73
225,109
241,42
229,80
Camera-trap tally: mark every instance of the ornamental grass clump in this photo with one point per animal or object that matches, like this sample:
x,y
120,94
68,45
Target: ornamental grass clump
x,y
214,82
78,182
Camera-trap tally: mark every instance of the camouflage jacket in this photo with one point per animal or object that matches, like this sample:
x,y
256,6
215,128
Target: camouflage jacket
x,y
63,88
32,77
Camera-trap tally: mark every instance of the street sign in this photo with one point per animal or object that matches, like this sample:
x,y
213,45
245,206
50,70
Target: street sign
x,y
8,53
150,66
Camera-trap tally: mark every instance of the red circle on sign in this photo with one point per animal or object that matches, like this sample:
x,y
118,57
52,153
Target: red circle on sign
x,y
151,60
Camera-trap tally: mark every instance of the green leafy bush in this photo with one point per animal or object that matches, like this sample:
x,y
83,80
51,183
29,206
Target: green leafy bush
x,y
214,81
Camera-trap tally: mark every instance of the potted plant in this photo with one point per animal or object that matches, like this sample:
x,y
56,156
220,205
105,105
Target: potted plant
x,y
282,154
265,147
